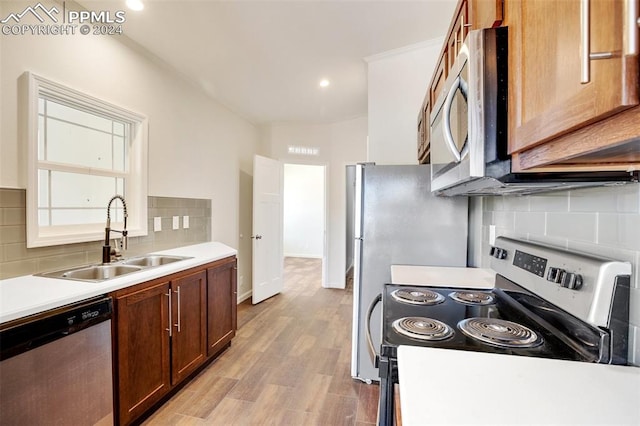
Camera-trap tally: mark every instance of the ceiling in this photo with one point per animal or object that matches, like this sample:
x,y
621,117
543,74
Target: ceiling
x,y
264,59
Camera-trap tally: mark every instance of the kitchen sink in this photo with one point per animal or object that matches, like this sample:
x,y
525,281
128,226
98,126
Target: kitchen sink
x,y
103,272
93,272
153,260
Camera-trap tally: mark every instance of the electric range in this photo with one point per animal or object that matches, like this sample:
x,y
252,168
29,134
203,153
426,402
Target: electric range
x,y
547,302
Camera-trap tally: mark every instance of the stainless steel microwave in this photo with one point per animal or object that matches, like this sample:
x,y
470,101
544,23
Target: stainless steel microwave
x,y
469,140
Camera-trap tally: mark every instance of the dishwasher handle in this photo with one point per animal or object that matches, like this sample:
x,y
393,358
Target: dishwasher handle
x,y
372,350
29,333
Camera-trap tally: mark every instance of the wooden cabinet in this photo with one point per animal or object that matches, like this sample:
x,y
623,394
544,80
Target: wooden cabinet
x,y
469,15
566,110
424,129
166,329
188,340
142,341
222,302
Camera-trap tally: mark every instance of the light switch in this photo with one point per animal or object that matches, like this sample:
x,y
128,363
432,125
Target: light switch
x,y
157,224
185,222
176,222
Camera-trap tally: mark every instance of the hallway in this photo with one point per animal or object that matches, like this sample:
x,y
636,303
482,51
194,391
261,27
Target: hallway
x,y
289,364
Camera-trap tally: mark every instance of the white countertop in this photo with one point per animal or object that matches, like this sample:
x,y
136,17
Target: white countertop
x,y
442,276
28,295
443,386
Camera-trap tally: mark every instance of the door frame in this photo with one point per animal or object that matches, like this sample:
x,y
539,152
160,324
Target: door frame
x,y
325,239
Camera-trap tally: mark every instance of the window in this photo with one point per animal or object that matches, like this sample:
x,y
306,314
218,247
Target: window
x,y
81,152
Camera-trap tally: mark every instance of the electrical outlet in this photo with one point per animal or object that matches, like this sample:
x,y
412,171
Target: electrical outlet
x,y
492,235
176,222
185,222
157,224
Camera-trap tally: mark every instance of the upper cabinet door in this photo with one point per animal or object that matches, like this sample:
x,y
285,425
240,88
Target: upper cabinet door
x,y
554,86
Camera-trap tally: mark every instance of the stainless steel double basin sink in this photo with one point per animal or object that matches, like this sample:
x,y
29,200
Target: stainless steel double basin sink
x,y
106,271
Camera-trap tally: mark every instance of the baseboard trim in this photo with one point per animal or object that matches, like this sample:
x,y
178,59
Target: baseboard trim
x,y
306,256
245,296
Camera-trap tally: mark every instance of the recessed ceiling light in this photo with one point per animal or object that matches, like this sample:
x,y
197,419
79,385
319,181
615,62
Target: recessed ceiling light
x,y
135,4
324,82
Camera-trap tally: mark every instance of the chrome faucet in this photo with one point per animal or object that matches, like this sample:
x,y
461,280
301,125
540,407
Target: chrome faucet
x,y
106,249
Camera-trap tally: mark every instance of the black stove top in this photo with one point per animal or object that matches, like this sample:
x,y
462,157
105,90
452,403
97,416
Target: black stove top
x,y
540,329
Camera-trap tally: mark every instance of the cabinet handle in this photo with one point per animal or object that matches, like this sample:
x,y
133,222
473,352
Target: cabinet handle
x,y
170,320
585,43
178,293
631,24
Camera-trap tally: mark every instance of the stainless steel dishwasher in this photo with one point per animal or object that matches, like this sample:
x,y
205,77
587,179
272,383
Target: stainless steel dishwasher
x,y
55,367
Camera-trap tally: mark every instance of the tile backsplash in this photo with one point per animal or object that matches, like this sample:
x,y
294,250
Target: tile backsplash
x,y
604,221
16,259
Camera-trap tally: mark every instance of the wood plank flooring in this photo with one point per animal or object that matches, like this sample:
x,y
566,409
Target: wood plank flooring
x,y
289,364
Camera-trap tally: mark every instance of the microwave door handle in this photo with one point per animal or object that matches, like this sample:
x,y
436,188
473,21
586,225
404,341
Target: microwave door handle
x,y
458,83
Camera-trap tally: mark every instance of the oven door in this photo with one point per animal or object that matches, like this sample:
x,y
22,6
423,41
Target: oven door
x,y
460,114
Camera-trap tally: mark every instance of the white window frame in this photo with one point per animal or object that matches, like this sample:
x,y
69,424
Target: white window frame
x,y
136,182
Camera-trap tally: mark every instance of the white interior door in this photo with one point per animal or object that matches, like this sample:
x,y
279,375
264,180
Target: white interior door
x,y
268,258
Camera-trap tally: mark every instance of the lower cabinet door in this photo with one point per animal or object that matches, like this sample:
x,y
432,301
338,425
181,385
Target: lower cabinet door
x,y
221,305
143,350
188,345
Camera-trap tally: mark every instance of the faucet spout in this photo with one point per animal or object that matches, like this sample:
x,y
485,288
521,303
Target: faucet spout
x,y
106,248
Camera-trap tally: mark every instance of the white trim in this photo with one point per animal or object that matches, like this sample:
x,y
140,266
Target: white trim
x,y
244,296
435,42
304,256
31,87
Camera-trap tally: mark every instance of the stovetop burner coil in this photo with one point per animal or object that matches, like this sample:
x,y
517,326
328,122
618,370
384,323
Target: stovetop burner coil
x,y
421,328
473,297
497,332
417,297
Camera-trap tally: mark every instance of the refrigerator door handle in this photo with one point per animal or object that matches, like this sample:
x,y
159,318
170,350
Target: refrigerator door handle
x,y
372,350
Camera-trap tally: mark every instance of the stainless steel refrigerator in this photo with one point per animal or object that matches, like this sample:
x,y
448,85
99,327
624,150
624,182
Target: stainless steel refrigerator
x,y
397,221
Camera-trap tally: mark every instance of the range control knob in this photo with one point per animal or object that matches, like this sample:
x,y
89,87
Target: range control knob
x,y
571,281
555,275
498,253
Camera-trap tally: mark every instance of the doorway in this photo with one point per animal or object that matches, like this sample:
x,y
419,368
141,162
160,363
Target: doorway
x,y
304,205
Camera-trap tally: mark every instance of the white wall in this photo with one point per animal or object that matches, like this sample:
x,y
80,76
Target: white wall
x,y
303,210
398,82
340,144
197,147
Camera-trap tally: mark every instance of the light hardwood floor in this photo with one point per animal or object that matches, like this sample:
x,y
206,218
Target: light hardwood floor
x,y
289,364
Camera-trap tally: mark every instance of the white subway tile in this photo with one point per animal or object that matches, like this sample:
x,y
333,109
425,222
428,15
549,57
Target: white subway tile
x,y
573,226
593,200
628,198
621,229
504,220
530,222
516,203
487,218
553,202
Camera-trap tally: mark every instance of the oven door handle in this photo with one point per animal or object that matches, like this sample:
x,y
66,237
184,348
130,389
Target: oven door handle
x,y
458,83
372,350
